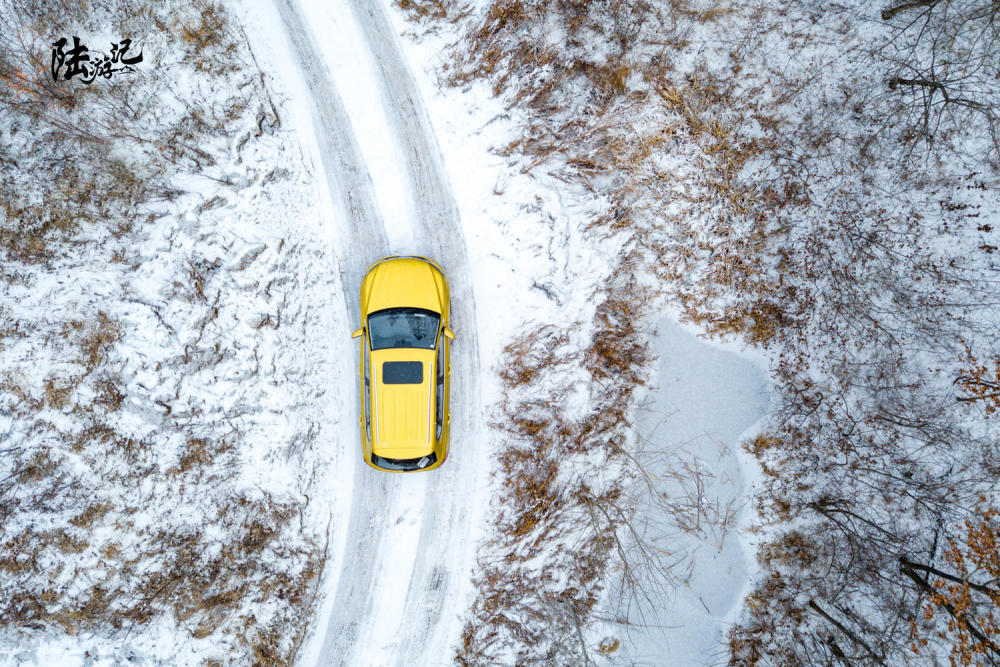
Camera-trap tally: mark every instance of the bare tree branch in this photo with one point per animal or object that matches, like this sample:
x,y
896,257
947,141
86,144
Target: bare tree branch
x,y
913,4
847,633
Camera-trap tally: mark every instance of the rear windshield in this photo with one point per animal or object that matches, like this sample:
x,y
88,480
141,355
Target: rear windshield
x,y
403,327
404,464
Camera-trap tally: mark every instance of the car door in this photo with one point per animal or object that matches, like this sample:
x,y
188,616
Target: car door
x,y
366,388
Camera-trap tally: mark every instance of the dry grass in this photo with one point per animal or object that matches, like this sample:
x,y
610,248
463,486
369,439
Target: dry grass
x,y
715,173
240,576
574,520
96,337
430,10
602,139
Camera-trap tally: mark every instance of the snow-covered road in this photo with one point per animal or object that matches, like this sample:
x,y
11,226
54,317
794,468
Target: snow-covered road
x,y
444,548
401,544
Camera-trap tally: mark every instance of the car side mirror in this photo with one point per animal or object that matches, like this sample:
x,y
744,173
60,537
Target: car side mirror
x,y
357,333
449,334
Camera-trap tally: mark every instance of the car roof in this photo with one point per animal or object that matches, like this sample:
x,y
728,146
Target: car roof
x,y
402,402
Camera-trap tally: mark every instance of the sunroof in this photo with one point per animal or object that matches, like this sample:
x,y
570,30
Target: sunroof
x,y
402,372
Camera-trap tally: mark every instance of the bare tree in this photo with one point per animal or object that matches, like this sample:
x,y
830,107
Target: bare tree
x,y
942,60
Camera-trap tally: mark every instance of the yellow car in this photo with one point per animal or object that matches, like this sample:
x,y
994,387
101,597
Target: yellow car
x,y
404,364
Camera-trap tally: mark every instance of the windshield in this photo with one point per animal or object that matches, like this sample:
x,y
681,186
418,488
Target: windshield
x,y
403,327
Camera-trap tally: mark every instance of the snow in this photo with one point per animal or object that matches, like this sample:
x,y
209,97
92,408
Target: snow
x,y
187,288
520,270
390,515
356,77
526,262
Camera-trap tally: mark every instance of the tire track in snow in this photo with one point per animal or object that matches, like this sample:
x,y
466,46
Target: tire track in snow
x,y
347,176
363,236
446,529
444,550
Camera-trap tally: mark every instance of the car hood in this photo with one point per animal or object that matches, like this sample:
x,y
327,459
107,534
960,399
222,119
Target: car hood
x,y
403,413
403,283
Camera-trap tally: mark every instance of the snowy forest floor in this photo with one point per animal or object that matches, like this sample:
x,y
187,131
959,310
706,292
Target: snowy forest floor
x,y
164,326
820,182
817,182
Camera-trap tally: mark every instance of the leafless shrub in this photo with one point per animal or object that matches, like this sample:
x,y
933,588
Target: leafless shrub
x,y
941,68
582,522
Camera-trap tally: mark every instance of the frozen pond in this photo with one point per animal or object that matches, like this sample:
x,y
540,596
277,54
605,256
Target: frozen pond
x,y
704,402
